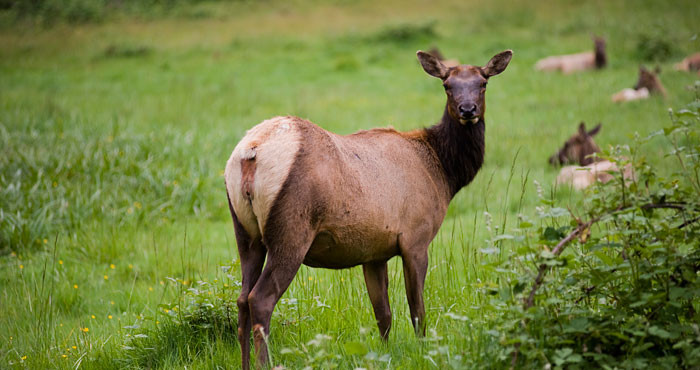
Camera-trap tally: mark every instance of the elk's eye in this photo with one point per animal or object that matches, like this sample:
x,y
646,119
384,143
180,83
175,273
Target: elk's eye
x,y
445,86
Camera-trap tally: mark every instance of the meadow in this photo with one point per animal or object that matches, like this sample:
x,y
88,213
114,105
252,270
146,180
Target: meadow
x,y
114,227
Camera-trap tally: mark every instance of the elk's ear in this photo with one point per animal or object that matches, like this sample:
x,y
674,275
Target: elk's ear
x,y
432,65
582,129
595,130
498,63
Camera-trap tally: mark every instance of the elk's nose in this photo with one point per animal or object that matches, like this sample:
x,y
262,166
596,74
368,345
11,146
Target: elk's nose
x,y
467,110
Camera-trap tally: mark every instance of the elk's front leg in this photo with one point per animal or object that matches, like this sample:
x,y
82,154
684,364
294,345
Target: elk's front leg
x,y
377,281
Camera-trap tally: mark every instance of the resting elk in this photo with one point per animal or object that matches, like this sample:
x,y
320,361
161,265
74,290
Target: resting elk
x,y
580,149
300,194
691,63
648,83
576,62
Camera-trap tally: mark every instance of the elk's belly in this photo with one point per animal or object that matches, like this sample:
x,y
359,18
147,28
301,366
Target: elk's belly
x,y
345,248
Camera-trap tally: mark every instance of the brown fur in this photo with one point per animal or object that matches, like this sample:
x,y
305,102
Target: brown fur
x,y
354,200
578,148
650,80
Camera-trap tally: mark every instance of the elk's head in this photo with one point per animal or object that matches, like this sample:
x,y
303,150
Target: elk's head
x,y
650,80
601,58
465,85
578,148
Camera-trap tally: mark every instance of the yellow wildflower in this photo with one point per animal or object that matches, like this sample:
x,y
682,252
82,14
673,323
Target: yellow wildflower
x,y
106,277
150,289
75,286
112,266
93,316
60,262
21,267
109,317
24,358
86,330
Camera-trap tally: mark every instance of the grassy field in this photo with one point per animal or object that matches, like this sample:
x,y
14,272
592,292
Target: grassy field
x,y
113,139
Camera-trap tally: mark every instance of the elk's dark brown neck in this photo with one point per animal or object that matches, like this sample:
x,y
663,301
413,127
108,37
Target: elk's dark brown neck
x,y
460,149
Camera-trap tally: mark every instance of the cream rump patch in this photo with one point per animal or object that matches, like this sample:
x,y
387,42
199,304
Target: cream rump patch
x,y
273,145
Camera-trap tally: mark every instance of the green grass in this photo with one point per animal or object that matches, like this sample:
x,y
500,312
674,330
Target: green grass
x,y
113,138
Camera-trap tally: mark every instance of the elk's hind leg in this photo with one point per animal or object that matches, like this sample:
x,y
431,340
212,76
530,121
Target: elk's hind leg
x,y
377,281
252,254
286,250
414,253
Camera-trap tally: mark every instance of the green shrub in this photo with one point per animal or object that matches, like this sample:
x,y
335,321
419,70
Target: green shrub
x,y
406,32
626,291
655,47
203,314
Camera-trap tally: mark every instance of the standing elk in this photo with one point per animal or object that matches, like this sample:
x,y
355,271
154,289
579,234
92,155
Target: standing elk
x,y
580,149
576,62
300,194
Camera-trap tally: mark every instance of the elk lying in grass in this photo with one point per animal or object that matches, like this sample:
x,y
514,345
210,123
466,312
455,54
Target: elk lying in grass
x,y
690,63
647,84
300,194
580,149
576,62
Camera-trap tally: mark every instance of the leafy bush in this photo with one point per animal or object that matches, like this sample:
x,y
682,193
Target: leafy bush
x,y
81,11
204,313
406,32
126,51
626,291
655,47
